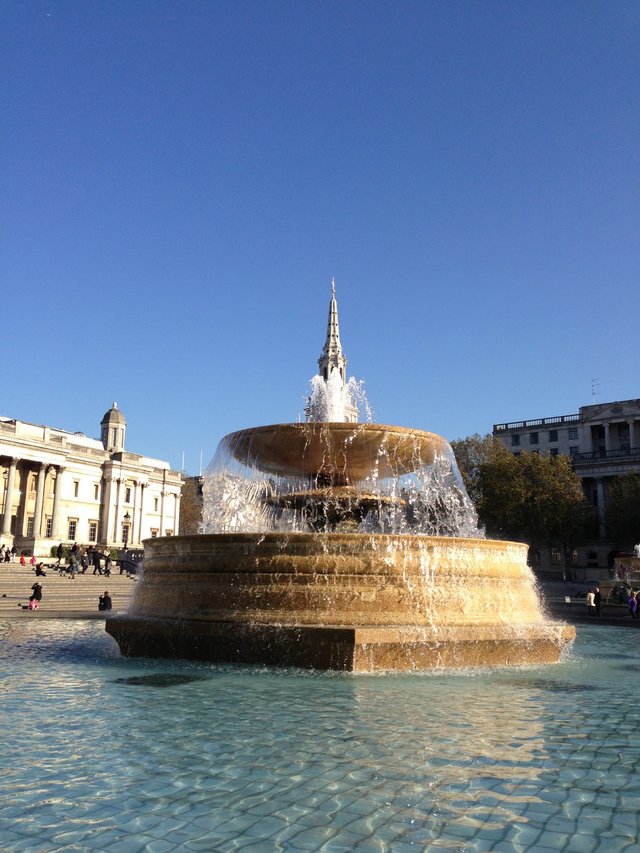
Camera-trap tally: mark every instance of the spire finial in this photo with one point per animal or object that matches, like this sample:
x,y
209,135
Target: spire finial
x,y
333,287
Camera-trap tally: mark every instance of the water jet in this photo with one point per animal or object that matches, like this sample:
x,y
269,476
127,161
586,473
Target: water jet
x,y
337,544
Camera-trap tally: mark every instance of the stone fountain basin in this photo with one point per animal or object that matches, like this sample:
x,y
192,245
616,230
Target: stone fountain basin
x,y
343,451
341,601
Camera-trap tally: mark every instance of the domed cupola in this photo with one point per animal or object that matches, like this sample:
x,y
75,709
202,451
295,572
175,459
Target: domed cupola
x,y
112,429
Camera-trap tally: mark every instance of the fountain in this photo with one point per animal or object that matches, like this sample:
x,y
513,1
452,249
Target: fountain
x,y
337,544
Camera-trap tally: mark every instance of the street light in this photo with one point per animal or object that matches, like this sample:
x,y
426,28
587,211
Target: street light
x,y
125,531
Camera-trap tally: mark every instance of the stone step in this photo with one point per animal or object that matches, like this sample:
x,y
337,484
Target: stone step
x,y
61,595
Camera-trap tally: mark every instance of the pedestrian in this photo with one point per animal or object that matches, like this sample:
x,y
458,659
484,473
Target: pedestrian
x,y
23,561
96,562
33,561
591,604
14,553
104,602
632,604
84,562
597,600
7,555
59,554
36,596
73,566
1,553
107,563
40,572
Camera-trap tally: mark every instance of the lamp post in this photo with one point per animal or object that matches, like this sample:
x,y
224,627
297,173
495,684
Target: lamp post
x,y
125,531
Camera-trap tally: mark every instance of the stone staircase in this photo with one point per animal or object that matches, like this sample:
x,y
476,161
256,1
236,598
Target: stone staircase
x,y
61,596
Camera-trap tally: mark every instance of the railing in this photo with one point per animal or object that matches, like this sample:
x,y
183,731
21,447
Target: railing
x,y
561,419
597,455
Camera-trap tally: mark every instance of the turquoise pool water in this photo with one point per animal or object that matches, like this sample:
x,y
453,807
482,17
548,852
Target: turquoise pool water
x,y
103,753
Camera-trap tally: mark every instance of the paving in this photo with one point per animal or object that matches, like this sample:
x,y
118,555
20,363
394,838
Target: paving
x,y
62,597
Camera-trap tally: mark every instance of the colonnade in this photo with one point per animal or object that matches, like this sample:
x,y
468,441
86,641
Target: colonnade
x,y
41,469
120,501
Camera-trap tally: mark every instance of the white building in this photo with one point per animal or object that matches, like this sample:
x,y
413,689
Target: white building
x,y
603,442
60,486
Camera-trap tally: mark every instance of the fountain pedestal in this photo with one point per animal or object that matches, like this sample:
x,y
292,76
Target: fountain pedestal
x,y
354,602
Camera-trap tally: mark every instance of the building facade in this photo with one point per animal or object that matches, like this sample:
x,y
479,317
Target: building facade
x,y
64,487
603,442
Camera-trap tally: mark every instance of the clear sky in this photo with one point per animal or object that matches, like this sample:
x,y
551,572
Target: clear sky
x,y
180,179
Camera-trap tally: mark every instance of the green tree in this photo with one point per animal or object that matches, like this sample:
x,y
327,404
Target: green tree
x,y
622,514
532,498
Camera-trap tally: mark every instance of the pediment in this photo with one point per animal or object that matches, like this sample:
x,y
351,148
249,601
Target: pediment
x,y
611,411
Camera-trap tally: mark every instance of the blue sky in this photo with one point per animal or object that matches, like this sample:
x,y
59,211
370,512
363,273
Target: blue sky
x,y
180,180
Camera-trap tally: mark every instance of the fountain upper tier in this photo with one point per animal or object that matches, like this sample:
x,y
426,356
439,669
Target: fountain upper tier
x,y
339,453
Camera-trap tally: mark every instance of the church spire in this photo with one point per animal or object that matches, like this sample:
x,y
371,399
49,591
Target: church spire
x,y
332,356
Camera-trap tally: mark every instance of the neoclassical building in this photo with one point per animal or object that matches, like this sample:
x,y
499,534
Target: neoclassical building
x,y
60,486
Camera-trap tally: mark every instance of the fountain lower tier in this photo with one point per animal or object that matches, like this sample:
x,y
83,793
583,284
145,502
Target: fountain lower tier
x,y
354,602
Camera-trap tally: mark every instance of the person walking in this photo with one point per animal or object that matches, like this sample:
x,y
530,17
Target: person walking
x,y
591,605
632,604
107,563
597,600
59,554
96,562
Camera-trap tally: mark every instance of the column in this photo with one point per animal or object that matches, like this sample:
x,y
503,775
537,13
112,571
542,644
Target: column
x,y
55,515
134,527
162,494
600,492
176,521
37,515
21,512
116,537
632,433
607,438
142,486
8,497
106,508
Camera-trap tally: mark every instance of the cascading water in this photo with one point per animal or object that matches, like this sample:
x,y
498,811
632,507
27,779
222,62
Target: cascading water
x,y
405,481
339,545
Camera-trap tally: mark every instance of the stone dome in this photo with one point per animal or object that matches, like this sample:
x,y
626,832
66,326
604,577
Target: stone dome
x,y
113,416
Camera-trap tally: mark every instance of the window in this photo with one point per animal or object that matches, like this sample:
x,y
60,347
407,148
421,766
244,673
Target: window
x,y
573,451
30,526
48,529
555,555
127,495
73,526
553,435
126,532
515,440
114,435
155,504
573,433
76,488
96,491
154,533
533,438
553,451
93,531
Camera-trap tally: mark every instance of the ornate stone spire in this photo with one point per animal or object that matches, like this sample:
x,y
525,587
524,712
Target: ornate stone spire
x,y
332,356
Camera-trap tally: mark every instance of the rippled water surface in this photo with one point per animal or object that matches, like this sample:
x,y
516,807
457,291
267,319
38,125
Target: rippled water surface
x,y
102,753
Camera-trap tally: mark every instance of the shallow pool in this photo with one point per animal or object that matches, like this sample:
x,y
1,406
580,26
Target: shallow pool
x,y
103,753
